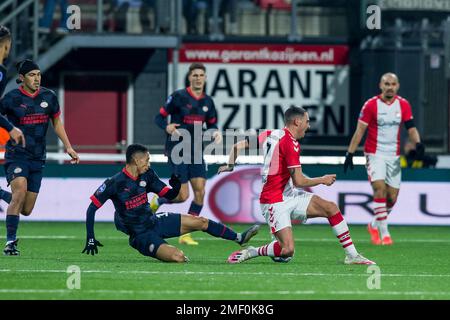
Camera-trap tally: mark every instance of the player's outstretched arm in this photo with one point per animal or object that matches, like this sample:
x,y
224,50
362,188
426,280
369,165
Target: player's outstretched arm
x,y
234,153
62,135
301,181
354,143
91,242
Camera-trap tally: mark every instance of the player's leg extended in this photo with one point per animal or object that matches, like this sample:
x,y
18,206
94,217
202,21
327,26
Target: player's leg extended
x,y
278,216
391,199
19,191
216,229
378,226
319,207
198,187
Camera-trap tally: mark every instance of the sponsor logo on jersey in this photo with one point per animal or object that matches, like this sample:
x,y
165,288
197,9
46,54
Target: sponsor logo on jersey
x,y
18,170
205,109
142,183
44,104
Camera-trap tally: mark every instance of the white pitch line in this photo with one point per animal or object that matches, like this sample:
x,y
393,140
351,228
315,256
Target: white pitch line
x,y
227,273
233,292
219,239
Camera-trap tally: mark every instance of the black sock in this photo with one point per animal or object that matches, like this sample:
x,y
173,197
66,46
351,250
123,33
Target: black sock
x,y
12,222
5,195
195,209
219,230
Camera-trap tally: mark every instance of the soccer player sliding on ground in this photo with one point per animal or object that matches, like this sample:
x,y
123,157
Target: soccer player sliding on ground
x,y
128,191
279,199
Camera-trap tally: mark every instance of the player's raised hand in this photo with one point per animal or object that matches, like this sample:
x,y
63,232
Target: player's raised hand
x,y
91,246
73,155
217,137
172,129
348,161
329,179
225,168
17,135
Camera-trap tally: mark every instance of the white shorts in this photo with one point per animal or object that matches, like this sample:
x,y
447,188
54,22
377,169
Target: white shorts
x,y
278,215
384,168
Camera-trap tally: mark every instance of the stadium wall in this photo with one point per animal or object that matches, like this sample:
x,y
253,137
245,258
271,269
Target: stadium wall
x,y
233,197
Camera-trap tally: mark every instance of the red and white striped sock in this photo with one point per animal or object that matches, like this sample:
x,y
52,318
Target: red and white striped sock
x,y
340,229
389,206
381,214
272,249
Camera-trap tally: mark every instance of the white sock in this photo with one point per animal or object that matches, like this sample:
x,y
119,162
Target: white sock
x,y
340,229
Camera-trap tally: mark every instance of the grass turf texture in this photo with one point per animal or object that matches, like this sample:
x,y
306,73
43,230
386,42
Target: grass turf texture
x,y
415,267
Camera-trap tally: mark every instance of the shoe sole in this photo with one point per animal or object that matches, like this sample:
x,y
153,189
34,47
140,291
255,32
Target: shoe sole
x,y
375,241
250,234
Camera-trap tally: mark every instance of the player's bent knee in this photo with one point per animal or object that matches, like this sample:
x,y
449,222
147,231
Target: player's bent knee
x,y
26,212
288,251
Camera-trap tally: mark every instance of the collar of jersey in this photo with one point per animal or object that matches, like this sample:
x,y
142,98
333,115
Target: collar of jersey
x,y
21,89
128,174
385,102
188,89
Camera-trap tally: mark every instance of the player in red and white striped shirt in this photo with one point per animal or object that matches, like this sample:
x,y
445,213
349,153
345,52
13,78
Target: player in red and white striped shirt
x,y
383,116
281,200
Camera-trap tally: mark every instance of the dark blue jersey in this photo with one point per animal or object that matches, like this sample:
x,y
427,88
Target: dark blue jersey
x,y
3,79
188,111
129,196
4,123
31,114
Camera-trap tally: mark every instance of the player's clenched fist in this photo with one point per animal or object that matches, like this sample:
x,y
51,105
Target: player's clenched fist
x,y
329,179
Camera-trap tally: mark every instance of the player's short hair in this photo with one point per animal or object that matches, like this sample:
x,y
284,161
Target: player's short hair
x,y
133,149
293,112
196,65
5,34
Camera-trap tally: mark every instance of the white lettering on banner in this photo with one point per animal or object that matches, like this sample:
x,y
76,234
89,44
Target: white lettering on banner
x,y
234,197
254,95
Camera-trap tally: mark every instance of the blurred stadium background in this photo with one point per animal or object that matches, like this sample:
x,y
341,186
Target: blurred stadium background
x,y
114,70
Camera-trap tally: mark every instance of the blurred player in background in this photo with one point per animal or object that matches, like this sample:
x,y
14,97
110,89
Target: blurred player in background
x,y
280,201
30,107
7,130
383,115
128,191
188,108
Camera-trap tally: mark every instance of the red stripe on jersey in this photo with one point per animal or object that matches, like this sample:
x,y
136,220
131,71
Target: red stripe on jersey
x,y
192,94
95,201
212,120
379,200
163,112
193,118
163,191
31,95
56,115
129,175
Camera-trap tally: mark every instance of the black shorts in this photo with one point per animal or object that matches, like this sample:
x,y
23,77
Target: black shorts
x,y
31,170
167,225
188,171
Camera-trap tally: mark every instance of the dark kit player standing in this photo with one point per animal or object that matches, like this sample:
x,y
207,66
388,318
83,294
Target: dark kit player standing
x,y
189,109
30,108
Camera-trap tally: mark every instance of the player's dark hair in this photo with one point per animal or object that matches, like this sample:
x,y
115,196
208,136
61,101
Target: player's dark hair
x,y
4,33
293,112
196,65
133,149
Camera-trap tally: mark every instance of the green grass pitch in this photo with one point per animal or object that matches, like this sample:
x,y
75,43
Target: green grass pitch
x,y
415,267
